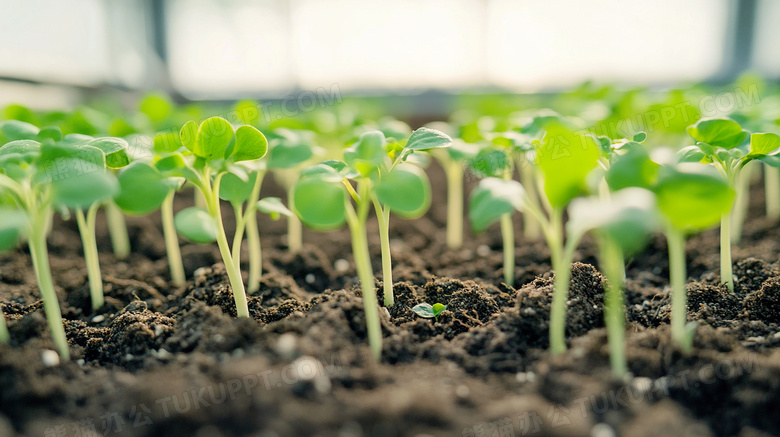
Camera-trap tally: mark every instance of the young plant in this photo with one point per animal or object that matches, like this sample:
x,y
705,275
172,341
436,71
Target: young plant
x,y
215,149
722,143
40,178
564,159
453,160
621,225
322,200
428,311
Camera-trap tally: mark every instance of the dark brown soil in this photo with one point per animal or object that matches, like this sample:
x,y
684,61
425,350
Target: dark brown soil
x,y
162,361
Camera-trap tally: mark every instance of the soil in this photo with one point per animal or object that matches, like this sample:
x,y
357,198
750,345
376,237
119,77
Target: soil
x,y
164,361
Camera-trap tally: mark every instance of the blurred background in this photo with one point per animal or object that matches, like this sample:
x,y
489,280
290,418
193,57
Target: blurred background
x,y
55,53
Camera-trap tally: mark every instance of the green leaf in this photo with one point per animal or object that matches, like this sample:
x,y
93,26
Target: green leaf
x,y
287,155
235,189
274,207
565,158
405,190
634,168
115,150
424,310
426,138
251,144
490,162
461,150
628,216
368,153
691,154
693,196
437,308
764,143
166,142
11,130
771,160
640,137
718,132
77,183
13,224
156,106
24,148
50,133
319,199
214,136
188,135
142,188
196,225
492,198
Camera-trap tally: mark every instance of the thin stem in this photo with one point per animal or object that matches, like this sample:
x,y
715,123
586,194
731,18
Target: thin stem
x,y
253,235
234,274
200,199
454,173
725,251
294,226
772,191
357,227
613,265
40,258
741,202
677,278
238,236
561,264
383,219
175,263
5,337
117,229
532,227
87,231
508,237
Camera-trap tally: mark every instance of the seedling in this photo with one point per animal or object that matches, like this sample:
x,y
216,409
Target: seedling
x,y
565,159
724,144
214,149
321,199
41,178
621,224
428,311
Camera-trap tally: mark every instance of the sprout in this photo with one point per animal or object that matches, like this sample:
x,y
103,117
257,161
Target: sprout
x,y
428,311
214,150
383,179
40,177
723,143
621,224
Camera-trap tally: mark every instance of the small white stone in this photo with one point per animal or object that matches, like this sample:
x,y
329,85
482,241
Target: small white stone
x,y
285,346
642,384
483,250
81,362
201,272
219,338
158,330
98,319
523,377
462,391
50,358
341,265
776,336
310,278
602,430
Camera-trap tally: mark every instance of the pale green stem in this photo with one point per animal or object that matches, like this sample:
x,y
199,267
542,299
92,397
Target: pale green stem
x,y
234,274
238,236
253,236
117,229
294,226
454,173
40,258
677,277
561,258
772,191
87,231
612,264
383,219
357,227
175,263
741,202
532,227
200,199
725,251
508,236
5,337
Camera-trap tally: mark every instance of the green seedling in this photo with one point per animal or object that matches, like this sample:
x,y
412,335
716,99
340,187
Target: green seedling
x,y
453,160
289,151
564,159
39,178
621,225
724,144
428,311
213,150
383,179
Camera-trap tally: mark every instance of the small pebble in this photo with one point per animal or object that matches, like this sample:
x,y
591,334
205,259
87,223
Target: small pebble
x,y
387,312
50,358
341,265
776,336
81,362
158,330
310,278
525,377
642,384
98,319
285,346
462,391
483,250
602,430
218,338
